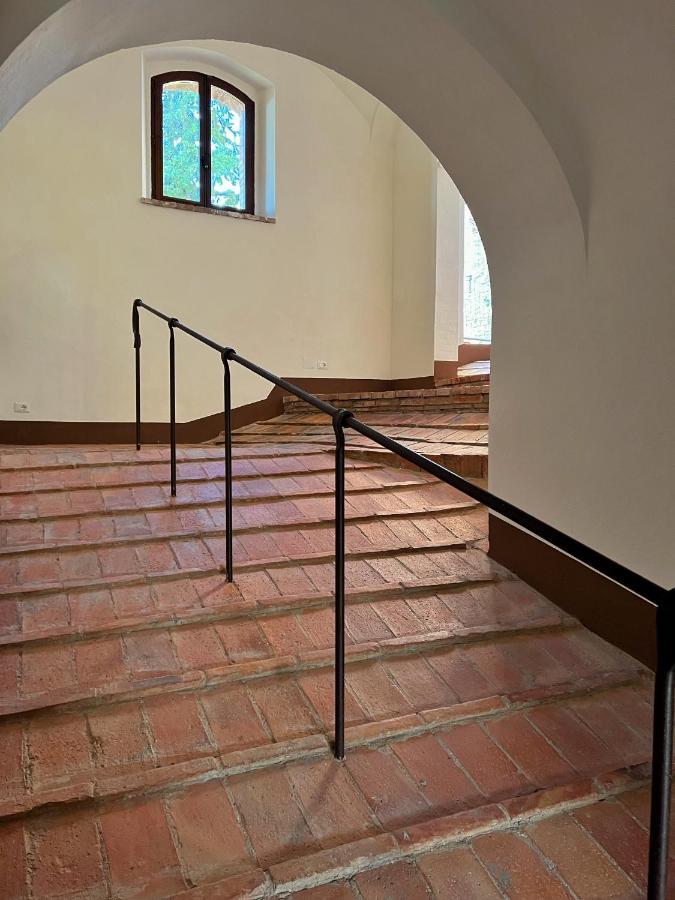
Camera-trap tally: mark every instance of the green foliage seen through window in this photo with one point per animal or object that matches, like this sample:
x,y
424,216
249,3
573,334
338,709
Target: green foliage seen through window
x,y
181,147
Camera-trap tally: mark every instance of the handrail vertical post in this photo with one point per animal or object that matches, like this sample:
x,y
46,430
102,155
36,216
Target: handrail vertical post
x,y
227,436
172,401
662,749
136,327
338,427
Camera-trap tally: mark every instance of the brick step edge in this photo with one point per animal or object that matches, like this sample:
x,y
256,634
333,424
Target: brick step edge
x,y
317,419
352,858
469,384
157,536
468,465
182,772
449,509
37,588
307,660
246,608
323,432
220,501
366,466
183,456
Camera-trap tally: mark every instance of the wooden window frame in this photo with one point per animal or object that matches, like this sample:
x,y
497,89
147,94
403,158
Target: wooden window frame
x,y
205,83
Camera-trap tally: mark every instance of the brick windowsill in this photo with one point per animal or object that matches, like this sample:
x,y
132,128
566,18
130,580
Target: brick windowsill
x,y
230,213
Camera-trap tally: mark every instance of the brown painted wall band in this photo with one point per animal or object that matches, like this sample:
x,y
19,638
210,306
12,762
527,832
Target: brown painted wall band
x,y
617,615
444,368
468,353
17,432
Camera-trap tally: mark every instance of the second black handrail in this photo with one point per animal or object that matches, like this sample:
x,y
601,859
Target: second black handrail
x,y
662,598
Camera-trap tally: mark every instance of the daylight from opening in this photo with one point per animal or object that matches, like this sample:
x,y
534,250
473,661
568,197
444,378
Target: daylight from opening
x,y
227,150
181,145
181,150
477,294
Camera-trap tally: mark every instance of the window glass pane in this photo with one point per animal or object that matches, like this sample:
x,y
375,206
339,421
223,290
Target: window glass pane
x,y
477,293
228,150
180,140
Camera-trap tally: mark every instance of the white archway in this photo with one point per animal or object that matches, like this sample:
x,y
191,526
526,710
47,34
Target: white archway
x,y
517,156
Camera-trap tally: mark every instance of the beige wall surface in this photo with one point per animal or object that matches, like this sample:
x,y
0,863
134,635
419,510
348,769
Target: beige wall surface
x,y
552,119
449,267
77,245
414,257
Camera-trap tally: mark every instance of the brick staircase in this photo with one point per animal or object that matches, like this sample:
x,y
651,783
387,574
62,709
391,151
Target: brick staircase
x,y
167,734
466,392
448,423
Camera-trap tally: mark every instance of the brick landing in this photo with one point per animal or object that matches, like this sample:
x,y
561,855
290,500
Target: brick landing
x,y
165,734
448,423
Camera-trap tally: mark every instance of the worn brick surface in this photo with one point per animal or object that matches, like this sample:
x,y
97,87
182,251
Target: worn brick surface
x,y
167,734
67,859
494,773
140,850
566,844
210,842
445,785
620,835
277,827
458,875
397,880
516,869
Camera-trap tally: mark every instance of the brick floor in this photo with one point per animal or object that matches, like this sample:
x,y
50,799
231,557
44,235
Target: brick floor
x,y
165,734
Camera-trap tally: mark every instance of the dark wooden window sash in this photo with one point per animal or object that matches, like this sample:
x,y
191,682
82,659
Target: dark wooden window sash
x,y
205,83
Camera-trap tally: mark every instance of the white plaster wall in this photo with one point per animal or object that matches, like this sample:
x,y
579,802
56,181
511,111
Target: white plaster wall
x,y
414,257
449,267
76,246
552,118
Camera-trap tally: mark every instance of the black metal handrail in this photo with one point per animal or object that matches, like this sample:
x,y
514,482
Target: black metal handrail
x,y
662,598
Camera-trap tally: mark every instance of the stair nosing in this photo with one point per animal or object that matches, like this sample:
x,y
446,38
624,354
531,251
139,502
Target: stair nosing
x,y
317,744
305,661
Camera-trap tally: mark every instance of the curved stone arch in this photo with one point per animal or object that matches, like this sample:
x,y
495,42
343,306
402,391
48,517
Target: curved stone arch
x,y
522,140
416,59
413,57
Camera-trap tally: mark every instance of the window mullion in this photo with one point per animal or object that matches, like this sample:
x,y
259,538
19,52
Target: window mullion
x,y
205,139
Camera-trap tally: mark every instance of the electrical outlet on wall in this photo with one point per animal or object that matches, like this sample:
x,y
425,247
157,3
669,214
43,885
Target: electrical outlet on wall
x,y
321,364
22,408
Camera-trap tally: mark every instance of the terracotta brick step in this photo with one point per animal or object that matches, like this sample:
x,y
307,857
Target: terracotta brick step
x,y
321,436
205,597
468,461
170,734
405,436
403,618
477,401
324,433
119,750
197,595
459,421
241,557
244,470
53,572
171,525
30,509
311,820
141,664
385,703
382,516
548,844
110,501
536,846
473,391
44,458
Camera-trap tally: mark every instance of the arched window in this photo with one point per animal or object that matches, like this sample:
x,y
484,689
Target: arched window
x,y
203,142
